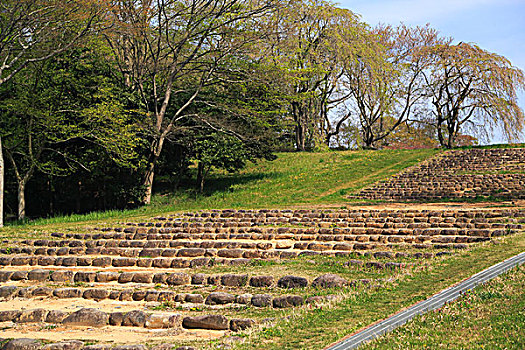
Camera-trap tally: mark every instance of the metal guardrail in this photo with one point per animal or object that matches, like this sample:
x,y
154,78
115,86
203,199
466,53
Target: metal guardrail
x,y
432,303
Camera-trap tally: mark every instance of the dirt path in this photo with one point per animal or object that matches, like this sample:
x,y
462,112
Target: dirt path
x,y
350,183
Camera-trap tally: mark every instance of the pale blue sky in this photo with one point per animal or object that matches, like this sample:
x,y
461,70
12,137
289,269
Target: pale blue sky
x,y
495,25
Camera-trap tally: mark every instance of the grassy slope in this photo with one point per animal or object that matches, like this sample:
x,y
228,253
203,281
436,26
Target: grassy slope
x,y
489,317
319,328
291,179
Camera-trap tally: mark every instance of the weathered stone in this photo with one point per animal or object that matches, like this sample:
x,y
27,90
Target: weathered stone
x,y
87,277
198,262
231,280
165,346
7,292
160,278
287,301
135,318
5,276
125,277
97,347
87,317
9,315
46,261
65,345
156,321
69,261
42,292
96,294
144,262
239,262
162,263
32,316
329,280
19,276
124,262
214,322
67,293
25,292
22,344
198,278
55,316
130,347
292,282
143,277
219,298
62,276
39,275
243,299
101,261
239,324
194,298
191,252
107,276
261,281
230,253
139,295
126,295
178,279
261,300
116,318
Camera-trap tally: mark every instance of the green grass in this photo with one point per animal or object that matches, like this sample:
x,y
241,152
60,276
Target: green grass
x,y
500,145
320,327
490,317
292,179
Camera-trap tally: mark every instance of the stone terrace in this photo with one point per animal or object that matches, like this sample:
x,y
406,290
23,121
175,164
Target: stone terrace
x,y
473,173
154,281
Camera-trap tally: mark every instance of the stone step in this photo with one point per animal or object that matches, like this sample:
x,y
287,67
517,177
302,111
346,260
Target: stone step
x,y
90,317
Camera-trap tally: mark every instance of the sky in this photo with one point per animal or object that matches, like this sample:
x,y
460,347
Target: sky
x,y
495,25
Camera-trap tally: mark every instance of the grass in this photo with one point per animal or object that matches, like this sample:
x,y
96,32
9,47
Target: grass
x,y
293,179
320,327
489,317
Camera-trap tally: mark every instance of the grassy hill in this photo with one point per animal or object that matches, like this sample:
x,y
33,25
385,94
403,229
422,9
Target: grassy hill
x,y
318,180
290,180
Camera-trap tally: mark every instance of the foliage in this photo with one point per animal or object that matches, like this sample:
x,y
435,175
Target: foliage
x,y
51,111
472,88
223,152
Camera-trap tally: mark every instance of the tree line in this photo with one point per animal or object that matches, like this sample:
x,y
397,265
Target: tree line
x,y
98,97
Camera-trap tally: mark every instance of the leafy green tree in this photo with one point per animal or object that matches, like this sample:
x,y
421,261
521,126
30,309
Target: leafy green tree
x,y
310,41
48,106
36,30
386,81
169,51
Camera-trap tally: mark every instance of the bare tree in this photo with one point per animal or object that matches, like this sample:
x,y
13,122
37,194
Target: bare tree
x,y
471,87
386,82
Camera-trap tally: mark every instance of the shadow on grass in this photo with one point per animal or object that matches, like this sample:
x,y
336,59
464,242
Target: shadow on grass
x,y
215,185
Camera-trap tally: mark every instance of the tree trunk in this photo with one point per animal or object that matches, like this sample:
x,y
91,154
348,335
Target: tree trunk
x,y
148,182
451,136
21,200
200,176
300,137
1,184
